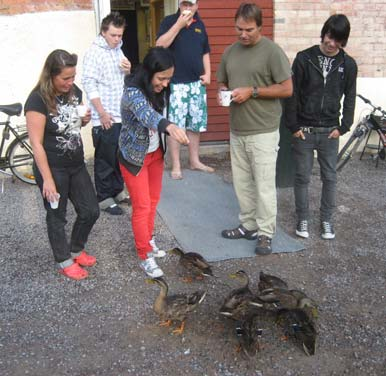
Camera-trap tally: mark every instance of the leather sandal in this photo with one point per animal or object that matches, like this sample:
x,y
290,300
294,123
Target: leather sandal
x,y
239,233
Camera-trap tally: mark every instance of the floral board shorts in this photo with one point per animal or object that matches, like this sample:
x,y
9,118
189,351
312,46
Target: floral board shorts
x,y
188,107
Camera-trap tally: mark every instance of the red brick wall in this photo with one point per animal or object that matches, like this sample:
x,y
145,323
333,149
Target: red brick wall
x,y
11,7
298,24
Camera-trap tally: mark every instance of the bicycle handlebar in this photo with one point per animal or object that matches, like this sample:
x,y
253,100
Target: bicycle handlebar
x,y
367,101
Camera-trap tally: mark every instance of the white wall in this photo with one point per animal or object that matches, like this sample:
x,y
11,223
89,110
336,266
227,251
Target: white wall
x,y
373,89
27,39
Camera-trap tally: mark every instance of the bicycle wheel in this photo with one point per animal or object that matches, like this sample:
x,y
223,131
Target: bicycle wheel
x,y
348,151
21,159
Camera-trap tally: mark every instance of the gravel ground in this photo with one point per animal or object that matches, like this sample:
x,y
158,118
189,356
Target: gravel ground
x,y
105,325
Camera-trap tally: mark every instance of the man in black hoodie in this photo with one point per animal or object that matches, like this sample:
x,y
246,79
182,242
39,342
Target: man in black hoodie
x,y
322,75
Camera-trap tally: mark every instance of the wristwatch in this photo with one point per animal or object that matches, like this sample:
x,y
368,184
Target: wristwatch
x,y
255,92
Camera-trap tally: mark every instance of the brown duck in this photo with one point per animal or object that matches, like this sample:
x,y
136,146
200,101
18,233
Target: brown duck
x,y
194,263
175,307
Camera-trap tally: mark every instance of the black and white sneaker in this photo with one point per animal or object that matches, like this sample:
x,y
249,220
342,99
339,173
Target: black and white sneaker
x,y
327,231
114,209
302,229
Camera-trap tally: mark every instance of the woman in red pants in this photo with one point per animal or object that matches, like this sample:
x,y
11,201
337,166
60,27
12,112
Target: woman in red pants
x,y
141,147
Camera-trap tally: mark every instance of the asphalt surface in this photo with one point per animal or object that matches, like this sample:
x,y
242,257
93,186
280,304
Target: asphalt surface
x,y
105,325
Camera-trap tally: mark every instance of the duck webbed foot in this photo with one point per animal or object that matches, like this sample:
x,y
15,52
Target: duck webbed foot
x,y
179,330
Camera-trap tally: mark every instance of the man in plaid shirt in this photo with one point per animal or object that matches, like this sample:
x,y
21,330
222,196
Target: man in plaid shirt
x,y
104,69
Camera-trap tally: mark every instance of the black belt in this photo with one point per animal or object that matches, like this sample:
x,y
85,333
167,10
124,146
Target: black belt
x,y
317,129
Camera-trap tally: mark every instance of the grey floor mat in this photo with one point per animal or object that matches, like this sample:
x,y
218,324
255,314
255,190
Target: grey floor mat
x,y
196,210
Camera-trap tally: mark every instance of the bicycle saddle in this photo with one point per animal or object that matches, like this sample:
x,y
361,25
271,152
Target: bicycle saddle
x,y
11,109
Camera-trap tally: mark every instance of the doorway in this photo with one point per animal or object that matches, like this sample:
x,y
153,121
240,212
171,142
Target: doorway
x,y
143,18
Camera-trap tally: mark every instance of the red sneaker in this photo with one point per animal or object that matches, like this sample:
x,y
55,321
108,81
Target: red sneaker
x,y
74,272
85,259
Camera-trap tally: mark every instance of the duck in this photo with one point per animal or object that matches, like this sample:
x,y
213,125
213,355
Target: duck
x,y
249,333
236,305
194,263
278,299
299,327
175,307
267,281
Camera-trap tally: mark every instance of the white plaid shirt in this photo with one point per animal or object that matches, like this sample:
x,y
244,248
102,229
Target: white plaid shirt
x,y
103,78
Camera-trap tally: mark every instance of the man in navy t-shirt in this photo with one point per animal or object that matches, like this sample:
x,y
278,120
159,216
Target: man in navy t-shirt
x,y
184,33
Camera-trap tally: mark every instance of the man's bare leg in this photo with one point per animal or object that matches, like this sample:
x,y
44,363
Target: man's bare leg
x,y
194,148
174,150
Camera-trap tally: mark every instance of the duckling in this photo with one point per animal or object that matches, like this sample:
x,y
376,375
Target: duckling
x,y
175,307
267,281
236,305
194,263
301,328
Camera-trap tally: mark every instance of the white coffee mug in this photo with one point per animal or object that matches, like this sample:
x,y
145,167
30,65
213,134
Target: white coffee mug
x,y
226,98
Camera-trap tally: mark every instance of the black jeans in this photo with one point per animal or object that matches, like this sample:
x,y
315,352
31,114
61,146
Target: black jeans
x,y
327,151
74,184
107,175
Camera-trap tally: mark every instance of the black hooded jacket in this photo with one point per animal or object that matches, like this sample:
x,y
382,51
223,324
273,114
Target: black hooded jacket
x,y
316,102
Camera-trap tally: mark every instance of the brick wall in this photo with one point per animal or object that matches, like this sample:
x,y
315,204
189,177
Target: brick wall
x,y
298,23
11,7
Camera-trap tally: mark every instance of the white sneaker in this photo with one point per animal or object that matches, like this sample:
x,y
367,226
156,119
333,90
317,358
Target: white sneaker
x,y
302,229
150,267
327,231
156,252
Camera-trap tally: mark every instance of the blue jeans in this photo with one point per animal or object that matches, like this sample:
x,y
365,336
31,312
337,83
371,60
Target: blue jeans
x,y
327,151
74,184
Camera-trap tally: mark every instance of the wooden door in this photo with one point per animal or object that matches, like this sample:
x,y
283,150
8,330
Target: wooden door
x,y
156,16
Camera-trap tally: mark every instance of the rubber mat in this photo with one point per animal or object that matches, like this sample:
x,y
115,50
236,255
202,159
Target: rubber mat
x,y
197,208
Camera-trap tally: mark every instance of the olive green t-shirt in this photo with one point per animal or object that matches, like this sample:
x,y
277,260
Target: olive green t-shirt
x,y
261,65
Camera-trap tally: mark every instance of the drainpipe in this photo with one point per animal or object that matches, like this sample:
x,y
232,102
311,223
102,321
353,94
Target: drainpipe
x,y
101,9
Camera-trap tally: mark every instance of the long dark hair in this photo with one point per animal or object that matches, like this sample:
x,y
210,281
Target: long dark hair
x,y
158,59
56,61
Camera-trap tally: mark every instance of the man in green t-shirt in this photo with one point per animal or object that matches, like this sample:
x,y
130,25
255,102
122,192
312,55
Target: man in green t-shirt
x,y
258,73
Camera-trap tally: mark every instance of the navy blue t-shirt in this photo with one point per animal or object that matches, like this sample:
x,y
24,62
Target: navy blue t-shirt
x,y
189,46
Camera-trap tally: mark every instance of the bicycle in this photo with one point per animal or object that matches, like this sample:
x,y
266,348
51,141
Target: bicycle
x,y
18,156
374,121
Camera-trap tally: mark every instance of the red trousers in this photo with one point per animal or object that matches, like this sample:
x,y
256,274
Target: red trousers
x,y
145,193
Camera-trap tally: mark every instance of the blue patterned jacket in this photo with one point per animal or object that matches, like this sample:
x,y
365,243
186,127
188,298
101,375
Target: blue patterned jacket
x,y
138,116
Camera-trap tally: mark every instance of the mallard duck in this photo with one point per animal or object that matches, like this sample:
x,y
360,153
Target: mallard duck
x,y
306,304
249,333
281,299
299,326
236,305
175,307
193,262
267,281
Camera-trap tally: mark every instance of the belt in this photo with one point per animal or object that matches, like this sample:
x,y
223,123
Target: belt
x,y
317,129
